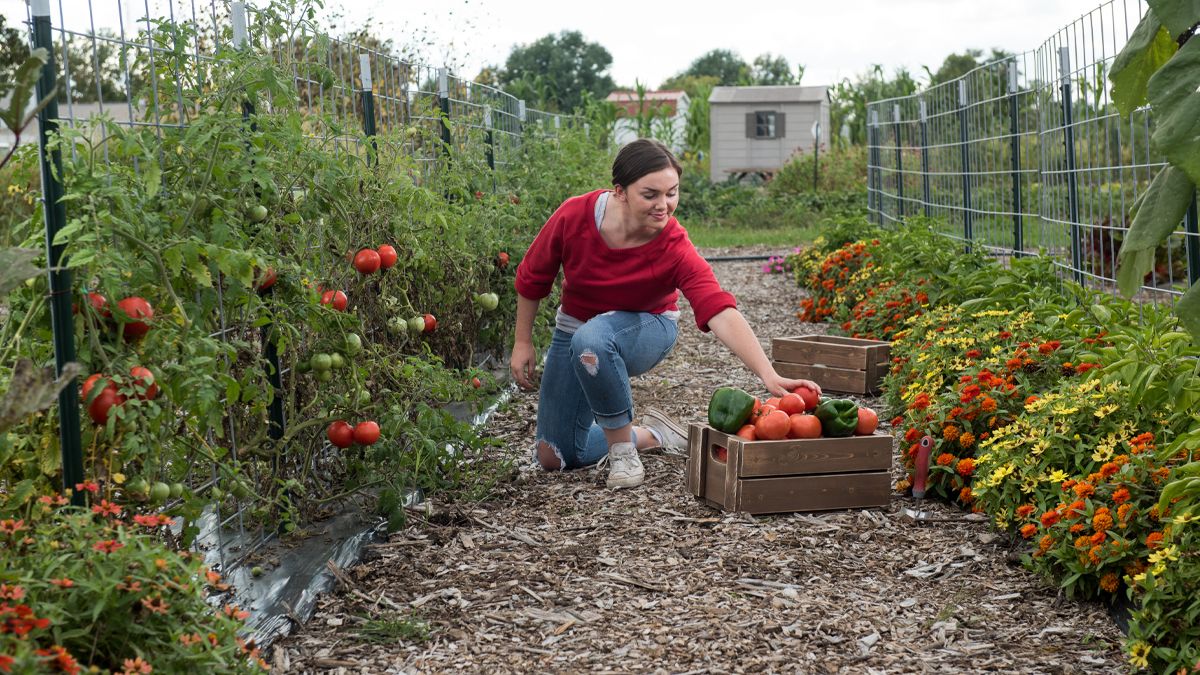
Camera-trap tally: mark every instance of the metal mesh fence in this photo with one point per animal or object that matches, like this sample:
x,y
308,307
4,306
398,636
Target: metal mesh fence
x,y
354,99
1028,156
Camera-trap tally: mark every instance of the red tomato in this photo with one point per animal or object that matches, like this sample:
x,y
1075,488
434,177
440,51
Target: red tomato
x,y
144,378
772,426
104,402
773,402
756,410
340,434
804,426
89,383
764,410
478,194
430,323
747,432
868,421
266,279
136,308
791,404
811,399
335,299
367,261
475,382
502,260
721,454
98,303
366,433
387,256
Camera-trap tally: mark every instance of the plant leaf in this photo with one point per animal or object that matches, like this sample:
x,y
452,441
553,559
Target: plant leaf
x,y
1159,211
15,267
1187,308
30,390
1148,48
24,84
1177,15
1176,102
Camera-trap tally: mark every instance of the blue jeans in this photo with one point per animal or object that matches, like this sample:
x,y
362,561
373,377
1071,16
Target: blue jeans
x,y
585,383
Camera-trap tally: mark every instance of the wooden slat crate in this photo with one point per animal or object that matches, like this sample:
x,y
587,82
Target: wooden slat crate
x,y
812,474
840,364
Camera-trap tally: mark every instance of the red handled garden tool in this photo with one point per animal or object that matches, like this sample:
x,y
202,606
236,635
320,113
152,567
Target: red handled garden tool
x,y
922,467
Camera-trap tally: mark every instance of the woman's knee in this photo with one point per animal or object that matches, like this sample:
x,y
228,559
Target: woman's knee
x,y
549,457
588,343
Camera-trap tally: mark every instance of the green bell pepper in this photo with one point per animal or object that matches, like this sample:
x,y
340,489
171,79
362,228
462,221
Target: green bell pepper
x,y
839,417
729,408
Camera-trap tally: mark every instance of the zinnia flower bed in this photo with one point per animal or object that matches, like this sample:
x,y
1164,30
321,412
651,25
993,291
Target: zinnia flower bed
x,y
1049,412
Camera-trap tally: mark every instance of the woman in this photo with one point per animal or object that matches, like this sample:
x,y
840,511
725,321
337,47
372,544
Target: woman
x,y
623,257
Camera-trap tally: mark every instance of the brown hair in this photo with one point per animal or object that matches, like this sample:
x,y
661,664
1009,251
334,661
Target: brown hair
x,y
641,157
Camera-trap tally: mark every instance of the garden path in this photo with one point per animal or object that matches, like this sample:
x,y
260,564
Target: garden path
x,y
558,574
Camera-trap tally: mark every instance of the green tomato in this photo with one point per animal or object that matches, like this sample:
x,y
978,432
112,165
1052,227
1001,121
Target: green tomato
x,y
336,361
416,325
256,571
160,492
176,490
138,488
216,493
322,363
258,213
353,344
364,397
397,326
323,375
487,301
303,367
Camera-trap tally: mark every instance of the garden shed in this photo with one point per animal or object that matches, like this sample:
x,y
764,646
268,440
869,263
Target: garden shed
x,y
756,129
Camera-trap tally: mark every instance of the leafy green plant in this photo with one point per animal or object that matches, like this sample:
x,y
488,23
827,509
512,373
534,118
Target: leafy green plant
x,y
89,588
1160,65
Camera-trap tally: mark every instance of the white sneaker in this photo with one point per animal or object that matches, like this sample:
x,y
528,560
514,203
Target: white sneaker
x,y
624,466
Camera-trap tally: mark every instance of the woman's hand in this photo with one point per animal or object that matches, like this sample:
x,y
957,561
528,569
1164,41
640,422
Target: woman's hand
x,y
523,365
778,386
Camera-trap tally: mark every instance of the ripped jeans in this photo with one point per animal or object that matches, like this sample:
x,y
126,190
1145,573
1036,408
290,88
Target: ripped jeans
x,y
585,384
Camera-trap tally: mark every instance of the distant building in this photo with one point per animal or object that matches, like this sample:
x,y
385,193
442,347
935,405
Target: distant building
x,y
667,109
755,130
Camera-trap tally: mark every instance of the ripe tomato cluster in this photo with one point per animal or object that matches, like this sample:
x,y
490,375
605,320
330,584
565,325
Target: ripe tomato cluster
x,y
342,435
789,417
370,261
110,396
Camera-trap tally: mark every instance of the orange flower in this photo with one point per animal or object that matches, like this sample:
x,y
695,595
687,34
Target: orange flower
x,y
1045,543
60,659
1099,538
108,546
6,663
1049,518
1109,582
62,583
10,526
1028,530
89,486
156,605
1154,540
1077,528
14,592
988,404
966,467
1094,554
965,495
945,459
1076,508
106,508
1120,496
235,612
912,435
1029,400
1084,490
966,439
136,667
950,433
1025,510
1108,469
1101,520
1123,512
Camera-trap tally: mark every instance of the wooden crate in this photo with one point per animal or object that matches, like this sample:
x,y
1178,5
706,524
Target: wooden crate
x,y
840,364
812,474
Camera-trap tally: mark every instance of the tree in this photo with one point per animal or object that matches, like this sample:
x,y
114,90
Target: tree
x,y
769,70
848,108
726,66
14,49
554,71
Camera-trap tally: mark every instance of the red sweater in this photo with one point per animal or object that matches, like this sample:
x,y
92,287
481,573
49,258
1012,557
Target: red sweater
x,y
598,279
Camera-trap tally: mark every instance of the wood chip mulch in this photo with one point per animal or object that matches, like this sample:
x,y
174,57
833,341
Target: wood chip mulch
x,y
559,574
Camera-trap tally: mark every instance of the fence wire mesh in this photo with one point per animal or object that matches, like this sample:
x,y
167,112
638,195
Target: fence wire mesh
x,y
1028,156
140,65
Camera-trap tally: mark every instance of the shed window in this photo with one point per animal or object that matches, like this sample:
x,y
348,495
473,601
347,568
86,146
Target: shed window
x,y
765,125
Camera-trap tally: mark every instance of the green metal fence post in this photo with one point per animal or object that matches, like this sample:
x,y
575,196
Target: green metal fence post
x,y
964,138
1064,68
900,210
55,211
275,412
368,112
1015,150
925,192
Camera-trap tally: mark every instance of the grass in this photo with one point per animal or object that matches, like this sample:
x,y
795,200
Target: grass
x,y
395,629
715,236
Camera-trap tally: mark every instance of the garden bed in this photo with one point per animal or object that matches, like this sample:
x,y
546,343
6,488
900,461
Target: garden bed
x,y
558,573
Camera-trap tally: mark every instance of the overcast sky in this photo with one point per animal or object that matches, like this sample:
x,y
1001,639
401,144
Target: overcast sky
x,y
832,38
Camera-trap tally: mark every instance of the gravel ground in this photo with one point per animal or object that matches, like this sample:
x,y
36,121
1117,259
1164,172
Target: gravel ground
x,y
560,574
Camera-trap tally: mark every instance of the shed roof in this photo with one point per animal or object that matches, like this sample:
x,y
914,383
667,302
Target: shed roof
x,y
769,94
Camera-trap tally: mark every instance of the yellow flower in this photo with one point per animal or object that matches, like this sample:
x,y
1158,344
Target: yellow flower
x,y
1057,476
118,478
1138,652
1061,410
